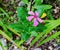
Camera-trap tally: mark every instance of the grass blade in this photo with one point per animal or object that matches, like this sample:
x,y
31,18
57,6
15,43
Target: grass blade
x,y
50,38
50,26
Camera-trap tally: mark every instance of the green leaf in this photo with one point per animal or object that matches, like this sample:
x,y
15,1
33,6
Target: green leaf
x,y
25,1
25,36
49,15
4,28
14,31
22,13
5,35
33,33
17,26
42,8
49,38
19,42
21,29
4,12
38,2
40,11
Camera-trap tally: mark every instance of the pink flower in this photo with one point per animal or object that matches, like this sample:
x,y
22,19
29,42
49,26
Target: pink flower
x,y
35,17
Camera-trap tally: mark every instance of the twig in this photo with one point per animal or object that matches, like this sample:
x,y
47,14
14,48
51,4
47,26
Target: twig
x,y
31,5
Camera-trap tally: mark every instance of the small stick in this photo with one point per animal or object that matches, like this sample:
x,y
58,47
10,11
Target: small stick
x,y
31,5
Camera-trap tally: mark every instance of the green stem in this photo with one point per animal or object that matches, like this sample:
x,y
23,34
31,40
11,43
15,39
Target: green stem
x,y
31,5
4,12
13,31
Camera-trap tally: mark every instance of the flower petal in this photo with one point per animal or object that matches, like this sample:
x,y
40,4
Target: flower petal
x,y
37,14
40,20
35,22
29,18
31,12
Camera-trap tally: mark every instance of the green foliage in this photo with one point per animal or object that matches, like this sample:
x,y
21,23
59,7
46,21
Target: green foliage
x,y
25,1
58,0
25,29
42,8
49,26
49,15
50,38
8,38
38,2
4,12
23,26
22,13
4,30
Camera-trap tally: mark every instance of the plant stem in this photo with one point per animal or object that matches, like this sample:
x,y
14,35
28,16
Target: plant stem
x,y
31,5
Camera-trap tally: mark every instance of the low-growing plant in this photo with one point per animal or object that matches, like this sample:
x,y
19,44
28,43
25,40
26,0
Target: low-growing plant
x,y
31,23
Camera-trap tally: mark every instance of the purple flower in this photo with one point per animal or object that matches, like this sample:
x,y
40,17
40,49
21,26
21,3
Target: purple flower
x,y
35,17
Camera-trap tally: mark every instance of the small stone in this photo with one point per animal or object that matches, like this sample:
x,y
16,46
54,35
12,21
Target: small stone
x,y
37,49
53,31
0,48
16,49
45,49
55,44
56,10
3,42
50,47
58,48
21,3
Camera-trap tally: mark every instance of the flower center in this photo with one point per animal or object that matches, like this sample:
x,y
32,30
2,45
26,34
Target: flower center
x,y
35,16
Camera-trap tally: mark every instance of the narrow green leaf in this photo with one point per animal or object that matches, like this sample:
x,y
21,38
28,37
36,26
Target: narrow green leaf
x,y
4,12
49,26
20,42
8,38
5,35
4,28
49,38
44,7
13,31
